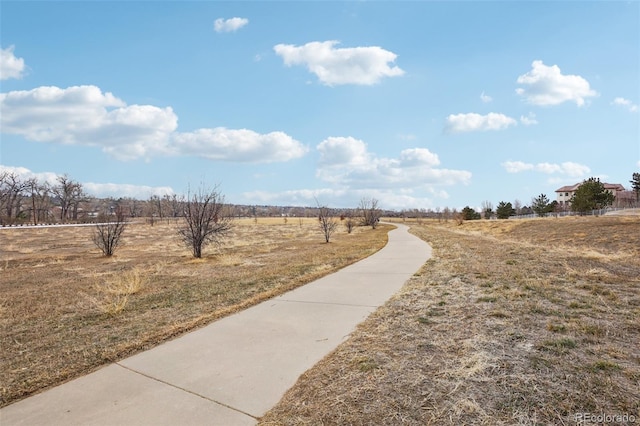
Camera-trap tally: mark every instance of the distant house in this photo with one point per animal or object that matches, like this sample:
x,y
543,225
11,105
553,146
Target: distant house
x,y
564,194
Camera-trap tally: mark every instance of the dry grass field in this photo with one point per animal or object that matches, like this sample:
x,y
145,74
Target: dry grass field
x,y
66,310
531,322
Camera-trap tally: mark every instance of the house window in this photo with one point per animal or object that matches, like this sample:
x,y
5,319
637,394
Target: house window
x,y
566,194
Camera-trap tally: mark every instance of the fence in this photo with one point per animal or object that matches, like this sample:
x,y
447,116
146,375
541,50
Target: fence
x,y
598,212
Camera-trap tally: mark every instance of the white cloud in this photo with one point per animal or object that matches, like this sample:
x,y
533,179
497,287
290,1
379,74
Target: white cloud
x,y
346,162
296,197
24,174
472,122
418,157
546,85
84,115
485,98
412,180
345,198
221,25
94,189
335,66
118,190
567,168
239,145
625,103
343,151
517,166
529,120
10,65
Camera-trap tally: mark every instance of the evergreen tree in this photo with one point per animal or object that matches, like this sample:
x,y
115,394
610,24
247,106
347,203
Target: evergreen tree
x,y
635,185
470,214
591,195
505,210
541,205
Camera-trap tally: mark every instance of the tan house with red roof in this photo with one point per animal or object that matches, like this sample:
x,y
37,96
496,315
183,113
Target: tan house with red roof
x,y
564,194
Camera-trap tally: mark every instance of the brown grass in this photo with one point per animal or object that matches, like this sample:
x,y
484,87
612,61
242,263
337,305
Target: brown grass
x,y
66,310
512,322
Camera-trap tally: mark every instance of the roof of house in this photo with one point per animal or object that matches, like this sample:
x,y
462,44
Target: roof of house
x,y
571,188
568,188
615,186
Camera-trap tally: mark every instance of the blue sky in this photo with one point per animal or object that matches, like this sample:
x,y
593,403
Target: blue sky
x,y
417,104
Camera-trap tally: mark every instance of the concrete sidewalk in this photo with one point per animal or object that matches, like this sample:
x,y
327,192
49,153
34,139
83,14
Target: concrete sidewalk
x,y
234,370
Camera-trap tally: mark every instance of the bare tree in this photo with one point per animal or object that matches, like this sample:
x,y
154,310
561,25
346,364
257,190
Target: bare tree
x,y
109,231
78,196
68,193
349,223
458,217
133,205
446,214
517,206
40,199
155,204
418,214
328,223
12,191
369,212
487,209
173,204
205,220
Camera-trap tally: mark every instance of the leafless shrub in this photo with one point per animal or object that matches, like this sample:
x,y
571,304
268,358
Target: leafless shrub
x,y
369,212
350,224
109,231
328,223
205,220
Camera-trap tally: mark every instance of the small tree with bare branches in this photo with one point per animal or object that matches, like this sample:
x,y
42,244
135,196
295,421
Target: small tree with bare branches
x,y
328,223
349,223
205,220
40,199
69,194
369,212
12,193
108,232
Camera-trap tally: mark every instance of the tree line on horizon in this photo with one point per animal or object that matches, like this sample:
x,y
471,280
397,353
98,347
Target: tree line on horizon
x,y
591,195
27,200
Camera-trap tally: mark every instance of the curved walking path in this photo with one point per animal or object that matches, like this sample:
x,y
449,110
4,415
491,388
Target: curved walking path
x,y
234,370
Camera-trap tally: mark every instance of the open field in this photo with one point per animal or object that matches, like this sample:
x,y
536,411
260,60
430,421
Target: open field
x,y
66,310
511,322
